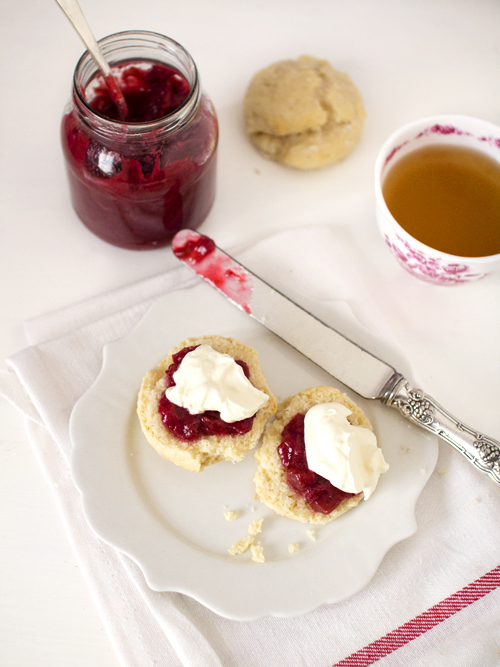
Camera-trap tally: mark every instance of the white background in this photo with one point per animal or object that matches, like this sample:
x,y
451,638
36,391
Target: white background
x,y
409,58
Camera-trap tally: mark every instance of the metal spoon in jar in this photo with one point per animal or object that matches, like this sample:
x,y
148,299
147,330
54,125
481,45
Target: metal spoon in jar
x,y
73,12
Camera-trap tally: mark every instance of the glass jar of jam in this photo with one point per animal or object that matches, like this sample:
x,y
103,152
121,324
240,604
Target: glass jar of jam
x,y
135,181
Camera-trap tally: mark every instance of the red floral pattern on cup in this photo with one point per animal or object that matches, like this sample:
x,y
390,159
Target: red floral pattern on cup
x,y
432,269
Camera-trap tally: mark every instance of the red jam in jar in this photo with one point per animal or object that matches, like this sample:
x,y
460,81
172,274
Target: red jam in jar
x,y
187,427
135,182
318,492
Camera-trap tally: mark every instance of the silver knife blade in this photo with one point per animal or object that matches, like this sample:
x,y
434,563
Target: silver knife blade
x,y
346,361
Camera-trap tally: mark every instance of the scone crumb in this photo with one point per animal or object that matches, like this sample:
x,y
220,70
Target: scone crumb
x,y
292,548
255,527
242,545
257,553
441,471
231,516
248,542
311,534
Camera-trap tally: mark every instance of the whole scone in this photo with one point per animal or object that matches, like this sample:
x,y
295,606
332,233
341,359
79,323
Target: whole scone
x,y
303,113
270,482
198,454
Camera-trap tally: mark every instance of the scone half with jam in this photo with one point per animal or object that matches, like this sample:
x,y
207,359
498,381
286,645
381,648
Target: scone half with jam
x,y
207,401
318,429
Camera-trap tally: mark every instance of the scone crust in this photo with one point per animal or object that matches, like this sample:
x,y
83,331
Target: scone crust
x,y
195,456
269,480
303,113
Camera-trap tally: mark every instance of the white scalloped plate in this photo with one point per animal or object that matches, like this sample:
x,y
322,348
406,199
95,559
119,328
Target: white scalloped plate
x,y
171,521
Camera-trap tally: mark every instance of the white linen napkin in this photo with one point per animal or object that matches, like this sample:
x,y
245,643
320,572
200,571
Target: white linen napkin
x,y
456,543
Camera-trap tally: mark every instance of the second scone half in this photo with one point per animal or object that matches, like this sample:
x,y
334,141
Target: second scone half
x,y
271,478
195,455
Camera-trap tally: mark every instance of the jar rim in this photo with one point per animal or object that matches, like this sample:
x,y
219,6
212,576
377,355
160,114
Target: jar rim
x,y
177,117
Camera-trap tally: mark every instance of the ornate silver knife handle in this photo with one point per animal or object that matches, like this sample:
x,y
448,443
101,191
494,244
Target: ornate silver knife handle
x,y
418,407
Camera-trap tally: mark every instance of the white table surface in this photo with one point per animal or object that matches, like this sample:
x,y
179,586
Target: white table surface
x,y
409,58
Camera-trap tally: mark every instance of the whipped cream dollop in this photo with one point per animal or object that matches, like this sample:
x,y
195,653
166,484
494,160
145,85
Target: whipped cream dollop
x,y
346,455
209,380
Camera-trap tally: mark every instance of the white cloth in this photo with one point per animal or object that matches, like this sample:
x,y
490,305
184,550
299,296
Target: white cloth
x,y
458,512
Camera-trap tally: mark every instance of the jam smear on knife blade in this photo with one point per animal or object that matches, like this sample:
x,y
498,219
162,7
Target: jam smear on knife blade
x,y
201,254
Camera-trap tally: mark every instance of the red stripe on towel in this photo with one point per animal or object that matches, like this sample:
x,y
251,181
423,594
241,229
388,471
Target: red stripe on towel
x,y
420,624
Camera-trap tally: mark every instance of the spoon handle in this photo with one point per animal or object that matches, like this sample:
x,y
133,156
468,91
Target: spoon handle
x,y
75,15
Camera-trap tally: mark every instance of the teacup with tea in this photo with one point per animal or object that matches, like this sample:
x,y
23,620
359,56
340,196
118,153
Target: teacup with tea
x,y
437,188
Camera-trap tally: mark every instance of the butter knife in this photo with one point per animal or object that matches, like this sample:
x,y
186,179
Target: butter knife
x,y
355,367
